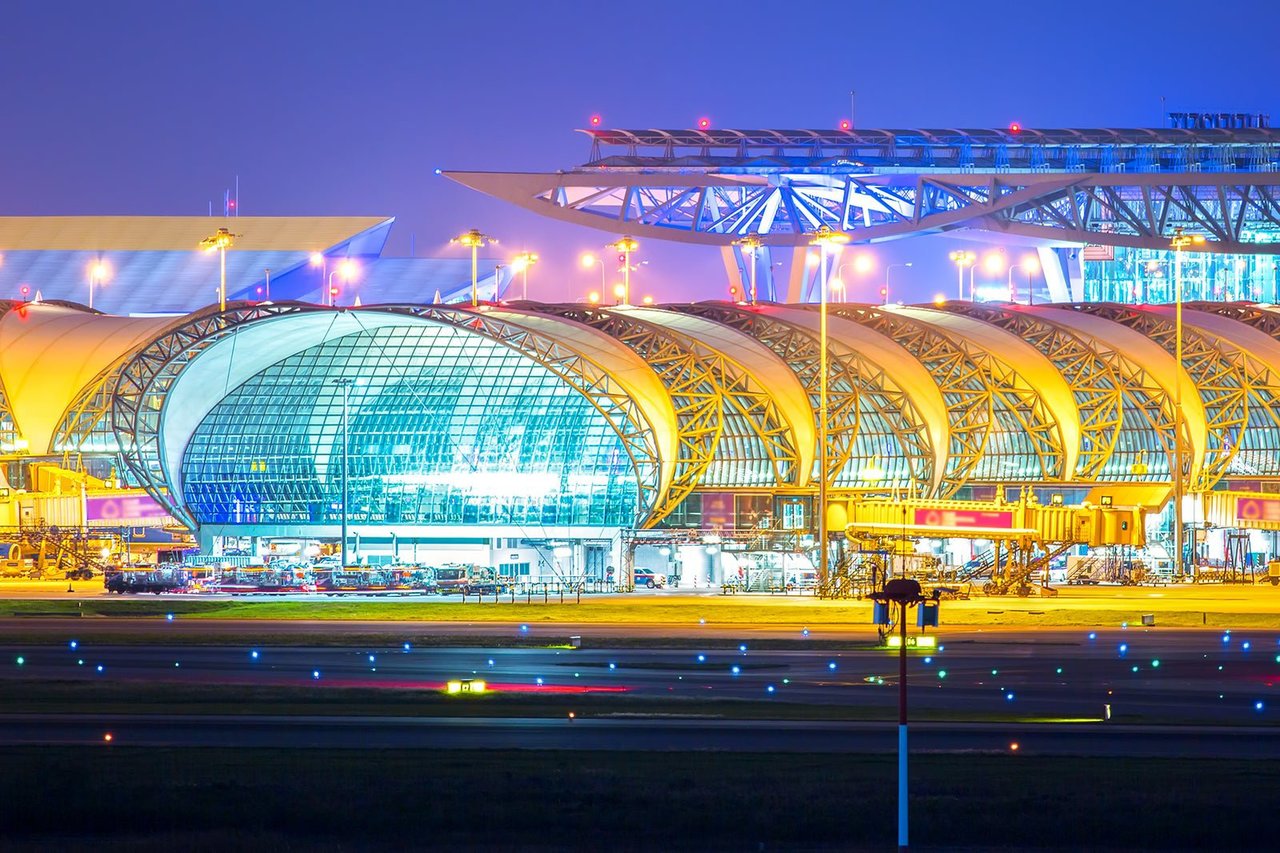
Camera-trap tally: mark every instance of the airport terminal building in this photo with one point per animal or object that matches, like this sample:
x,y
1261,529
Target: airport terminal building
x,y
550,438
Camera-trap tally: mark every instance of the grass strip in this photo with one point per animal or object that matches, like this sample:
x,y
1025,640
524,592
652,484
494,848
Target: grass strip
x,y
110,798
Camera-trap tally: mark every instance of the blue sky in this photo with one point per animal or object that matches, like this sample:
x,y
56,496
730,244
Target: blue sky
x,y
139,107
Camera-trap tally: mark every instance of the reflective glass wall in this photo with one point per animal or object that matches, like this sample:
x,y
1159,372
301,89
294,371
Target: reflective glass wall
x,y
444,427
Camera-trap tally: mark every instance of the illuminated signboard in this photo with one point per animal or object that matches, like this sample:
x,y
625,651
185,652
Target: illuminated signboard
x,y
124,509
963,518
1258,509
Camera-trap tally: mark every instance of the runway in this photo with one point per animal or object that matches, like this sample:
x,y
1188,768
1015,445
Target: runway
x,y
1212,693
638,734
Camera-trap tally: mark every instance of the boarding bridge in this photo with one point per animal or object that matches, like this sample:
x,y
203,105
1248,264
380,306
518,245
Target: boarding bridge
x,y
1025,534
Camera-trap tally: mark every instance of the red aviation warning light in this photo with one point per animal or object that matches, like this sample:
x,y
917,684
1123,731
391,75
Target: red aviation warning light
x,y
1015,127
704,123
595,120
845,124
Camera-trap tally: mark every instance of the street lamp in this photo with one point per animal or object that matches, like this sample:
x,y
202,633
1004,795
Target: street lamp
x,y
905,593
345,268
824,238
750,245
475,240
98,274
588,261
886,279
220,242
961,259
521,263
1179,241
345,385
1030,265
626,246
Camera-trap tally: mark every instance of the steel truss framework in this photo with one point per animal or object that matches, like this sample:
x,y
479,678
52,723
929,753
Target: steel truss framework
x,y
980,390
858,391
1113,394
714,397
1237,391
1114,187
145,379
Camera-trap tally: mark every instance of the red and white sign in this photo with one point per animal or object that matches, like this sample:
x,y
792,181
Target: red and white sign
x,y
963,518
1258,509
139,510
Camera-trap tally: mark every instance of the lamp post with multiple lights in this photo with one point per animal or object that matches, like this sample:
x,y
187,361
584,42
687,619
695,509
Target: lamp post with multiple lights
x,y
1179,242
474,240
824,238
220,241
625,245
750,245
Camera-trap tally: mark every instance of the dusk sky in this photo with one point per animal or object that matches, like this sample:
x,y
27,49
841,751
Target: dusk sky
x,y
347,108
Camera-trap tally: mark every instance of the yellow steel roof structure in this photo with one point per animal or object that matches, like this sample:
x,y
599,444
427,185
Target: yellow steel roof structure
x,y
49,352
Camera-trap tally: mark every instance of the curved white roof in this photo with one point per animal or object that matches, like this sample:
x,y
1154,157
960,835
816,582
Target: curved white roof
x,y
49,352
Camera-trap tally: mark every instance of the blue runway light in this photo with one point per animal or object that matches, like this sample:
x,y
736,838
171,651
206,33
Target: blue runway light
x,y
702,658
832,666
1124,648
742,648
805,632
1155,664
169,617
1093,635
1135,669
74,645
539,682
1059,670
176,664
1245,645
1257,706
254,654
315,673
735,670
370,658
769,689
80,662
490,661
100,667
1008,697
995,672
1226,638
524,627
406,647
928,660
942,673
613,666
21,660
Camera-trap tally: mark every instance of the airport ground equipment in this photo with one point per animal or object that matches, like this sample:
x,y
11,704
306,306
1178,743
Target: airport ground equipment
x,y
1026,535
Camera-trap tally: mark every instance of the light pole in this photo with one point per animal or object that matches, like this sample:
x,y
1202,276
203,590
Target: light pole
x,y
346,269
345,385
626,246
221,240
98,273
521,263
886,279
1179,241
750,245
588,261
905,593
961,259
1030,265
824,238
475,240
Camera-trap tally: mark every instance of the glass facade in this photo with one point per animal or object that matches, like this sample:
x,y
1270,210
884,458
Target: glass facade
x,y
1136,276
444,427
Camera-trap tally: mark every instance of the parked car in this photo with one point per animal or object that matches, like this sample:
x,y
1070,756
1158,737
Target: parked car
x,y
649,579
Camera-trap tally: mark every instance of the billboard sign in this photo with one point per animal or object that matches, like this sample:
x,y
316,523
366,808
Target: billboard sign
x,y
956,518
136,510
1258,509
